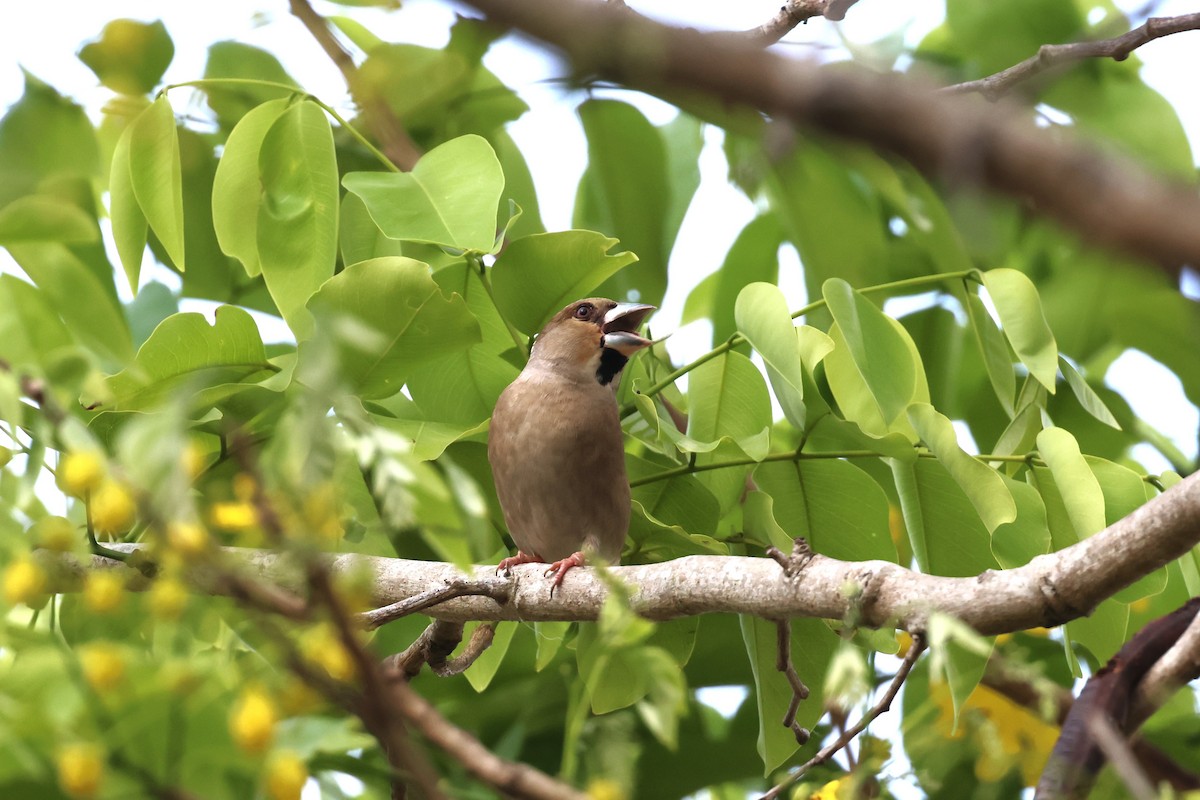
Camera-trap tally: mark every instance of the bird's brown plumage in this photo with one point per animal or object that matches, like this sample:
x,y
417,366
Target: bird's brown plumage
x,y
555,440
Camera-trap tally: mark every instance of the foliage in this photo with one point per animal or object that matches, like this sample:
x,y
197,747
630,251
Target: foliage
x,y
411,299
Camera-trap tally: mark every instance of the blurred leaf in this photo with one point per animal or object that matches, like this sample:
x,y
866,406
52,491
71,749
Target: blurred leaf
x,y
763,318
959,656
41,218
1086,395
991,37
185,353
236,60
155,173
1024,323
481,673
237,187
450,197
130,56
154,303
753,257
518,186
833,504
385,317
298,215
538,275
31,334
983,486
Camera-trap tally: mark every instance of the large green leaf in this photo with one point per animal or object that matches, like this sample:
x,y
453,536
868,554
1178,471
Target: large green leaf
x,y
835,505
298,216
995,352
240,62
129,227
130,57
45,218
237,188
156,175
1015,543
1081,493
187,354
982,484
947,535
450,198
763,318
882,358
538,275
855,398
385,317
1024,324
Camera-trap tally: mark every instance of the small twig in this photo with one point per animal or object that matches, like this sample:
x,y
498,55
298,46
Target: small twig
x,y
510,778
432,647
1056,55
410,605
793,563
1119,754
885,702
790,14
783,663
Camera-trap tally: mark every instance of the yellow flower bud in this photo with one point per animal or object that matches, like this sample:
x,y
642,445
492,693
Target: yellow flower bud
x,y
103,666
233,516
244,487
112,508
194,460
103,592
286,776
168,598
24,582
56,533
80,473
80,770
252,721
322,647
189,538
605,789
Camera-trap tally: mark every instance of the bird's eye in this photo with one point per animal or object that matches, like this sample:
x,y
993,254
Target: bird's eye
x,y
583,311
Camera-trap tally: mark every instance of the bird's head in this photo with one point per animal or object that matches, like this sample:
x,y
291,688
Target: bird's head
x,y
595,336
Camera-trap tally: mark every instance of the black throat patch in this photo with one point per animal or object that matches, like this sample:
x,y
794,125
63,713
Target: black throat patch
x,y
611,364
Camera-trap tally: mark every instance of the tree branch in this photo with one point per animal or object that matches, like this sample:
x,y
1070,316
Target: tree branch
x,y
790,14
1050,56
1108,200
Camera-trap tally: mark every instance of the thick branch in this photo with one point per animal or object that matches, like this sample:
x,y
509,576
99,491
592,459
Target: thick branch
x,y
1107,200
1057,55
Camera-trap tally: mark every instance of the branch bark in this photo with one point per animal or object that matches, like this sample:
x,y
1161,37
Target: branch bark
x,y
1050,56
1107,200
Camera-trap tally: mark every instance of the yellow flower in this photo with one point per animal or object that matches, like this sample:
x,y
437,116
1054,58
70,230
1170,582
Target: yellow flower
x,y
103,666
189,538
245,487
286,776
168,598
56,533
24,582
112,508
80,473
103,592
605,789
80,769
237,516
194,460
322,647
834,790
252,721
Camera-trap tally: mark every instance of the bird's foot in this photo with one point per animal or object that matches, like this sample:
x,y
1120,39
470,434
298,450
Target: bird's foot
x,y
559,569
520,558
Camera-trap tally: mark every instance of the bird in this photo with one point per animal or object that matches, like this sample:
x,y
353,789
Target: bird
x,y
555,442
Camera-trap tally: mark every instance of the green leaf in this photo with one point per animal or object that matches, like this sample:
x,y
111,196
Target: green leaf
x,y
753,257
450,198
994,36
1086,395
982,485
992,347
481,673
1124,492
1103,631
855,398
666,698
946,532
298,215
85,304
538,275
758,518
154,303
186,354
237,186
813,645
881,357
156,175
32,337
240,61
1015,543
550,638
1024,324
130,230
1081,492
958,655
763,318
626,191
130,57
518,186
42,218
836,506
385,317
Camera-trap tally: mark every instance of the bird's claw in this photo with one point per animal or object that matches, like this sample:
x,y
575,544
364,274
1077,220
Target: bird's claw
x,y
559,569
521,557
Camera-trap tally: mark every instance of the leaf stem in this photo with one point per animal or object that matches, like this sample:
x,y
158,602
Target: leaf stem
x,y
486,280
200,83
736,339
797,455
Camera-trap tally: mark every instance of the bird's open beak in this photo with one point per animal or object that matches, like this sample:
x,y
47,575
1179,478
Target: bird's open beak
x,y
619,326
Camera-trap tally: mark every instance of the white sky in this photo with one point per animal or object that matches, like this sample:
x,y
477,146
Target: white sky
x,y
43,37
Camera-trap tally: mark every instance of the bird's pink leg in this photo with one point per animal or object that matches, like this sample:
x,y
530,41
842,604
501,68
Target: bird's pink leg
x,y
520,558
559,568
